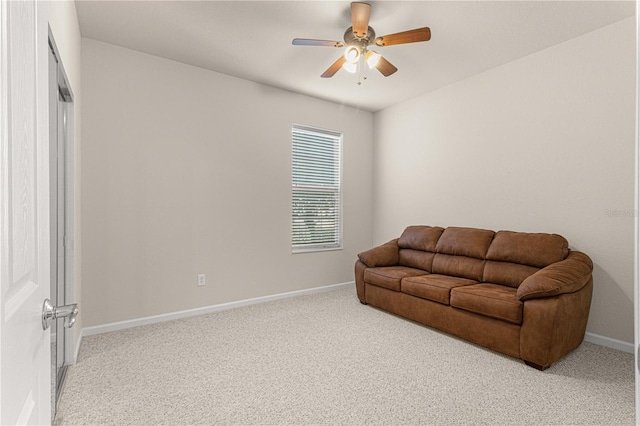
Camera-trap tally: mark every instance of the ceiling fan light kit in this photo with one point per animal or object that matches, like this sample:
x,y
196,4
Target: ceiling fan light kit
x,y
358,38
372,58
352,54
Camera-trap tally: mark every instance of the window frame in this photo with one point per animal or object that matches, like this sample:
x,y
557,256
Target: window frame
x,y
319,247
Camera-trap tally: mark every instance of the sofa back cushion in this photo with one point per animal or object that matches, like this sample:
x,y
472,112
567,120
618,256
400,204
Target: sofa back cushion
x,y
514,256
422,238
539,250
504,257
417,246
416,259
469,242
506,273
460,252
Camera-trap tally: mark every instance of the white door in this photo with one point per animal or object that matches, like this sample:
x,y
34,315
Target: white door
x,y
25,371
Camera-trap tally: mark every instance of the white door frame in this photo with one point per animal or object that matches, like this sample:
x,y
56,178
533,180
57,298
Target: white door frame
x,y
636,276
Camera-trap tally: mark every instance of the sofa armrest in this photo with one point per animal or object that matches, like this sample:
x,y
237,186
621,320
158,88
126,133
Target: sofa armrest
x,y
567,276
383,255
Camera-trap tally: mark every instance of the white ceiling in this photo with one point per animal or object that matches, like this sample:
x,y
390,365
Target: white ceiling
x,y
252,39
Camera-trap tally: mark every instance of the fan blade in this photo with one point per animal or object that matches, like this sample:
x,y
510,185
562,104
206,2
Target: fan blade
x,y
330,72
360,18
313,42
385,67
411,36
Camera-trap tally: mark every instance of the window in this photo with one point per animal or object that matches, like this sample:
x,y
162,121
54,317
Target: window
x,y
316,211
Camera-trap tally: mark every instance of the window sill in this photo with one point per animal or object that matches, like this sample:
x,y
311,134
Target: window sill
x,y
314,249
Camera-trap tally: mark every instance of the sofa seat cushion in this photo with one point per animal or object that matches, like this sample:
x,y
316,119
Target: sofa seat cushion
x,y
390,276
491,300
433,287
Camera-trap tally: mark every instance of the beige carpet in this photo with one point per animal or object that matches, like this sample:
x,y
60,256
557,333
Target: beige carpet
x,y
327,359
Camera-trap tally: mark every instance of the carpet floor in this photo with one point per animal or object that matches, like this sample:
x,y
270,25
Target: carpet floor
x,y
327,359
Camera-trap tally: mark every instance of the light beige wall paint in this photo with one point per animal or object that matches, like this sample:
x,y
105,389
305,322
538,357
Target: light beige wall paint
x,y
188,171
542,144
63,21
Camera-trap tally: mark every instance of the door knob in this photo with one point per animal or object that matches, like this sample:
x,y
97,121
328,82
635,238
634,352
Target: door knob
x,y
50,313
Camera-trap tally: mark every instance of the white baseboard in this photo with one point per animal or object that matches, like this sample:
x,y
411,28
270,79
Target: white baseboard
x,y
121,325
609,342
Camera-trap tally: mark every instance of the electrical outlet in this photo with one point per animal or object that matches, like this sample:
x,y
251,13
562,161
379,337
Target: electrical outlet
x,y
201,280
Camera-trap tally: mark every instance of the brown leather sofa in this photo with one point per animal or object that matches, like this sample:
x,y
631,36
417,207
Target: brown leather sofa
x,y
525,295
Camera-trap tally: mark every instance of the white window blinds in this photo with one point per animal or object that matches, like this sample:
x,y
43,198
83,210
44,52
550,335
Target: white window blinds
x,y
316,212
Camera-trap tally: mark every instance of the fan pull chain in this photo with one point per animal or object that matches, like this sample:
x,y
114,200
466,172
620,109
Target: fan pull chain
x,y
361,71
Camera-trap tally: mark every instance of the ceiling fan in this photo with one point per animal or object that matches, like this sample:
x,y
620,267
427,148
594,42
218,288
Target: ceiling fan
x,y
357,40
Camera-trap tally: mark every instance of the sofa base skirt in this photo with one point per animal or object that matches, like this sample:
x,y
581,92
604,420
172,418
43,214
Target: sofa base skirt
x,y
491,333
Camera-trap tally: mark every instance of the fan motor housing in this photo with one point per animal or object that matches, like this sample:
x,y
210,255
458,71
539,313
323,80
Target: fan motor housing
x,y
351,39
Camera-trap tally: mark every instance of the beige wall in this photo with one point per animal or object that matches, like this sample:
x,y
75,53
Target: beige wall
x,y
187,171
542,144
63,21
